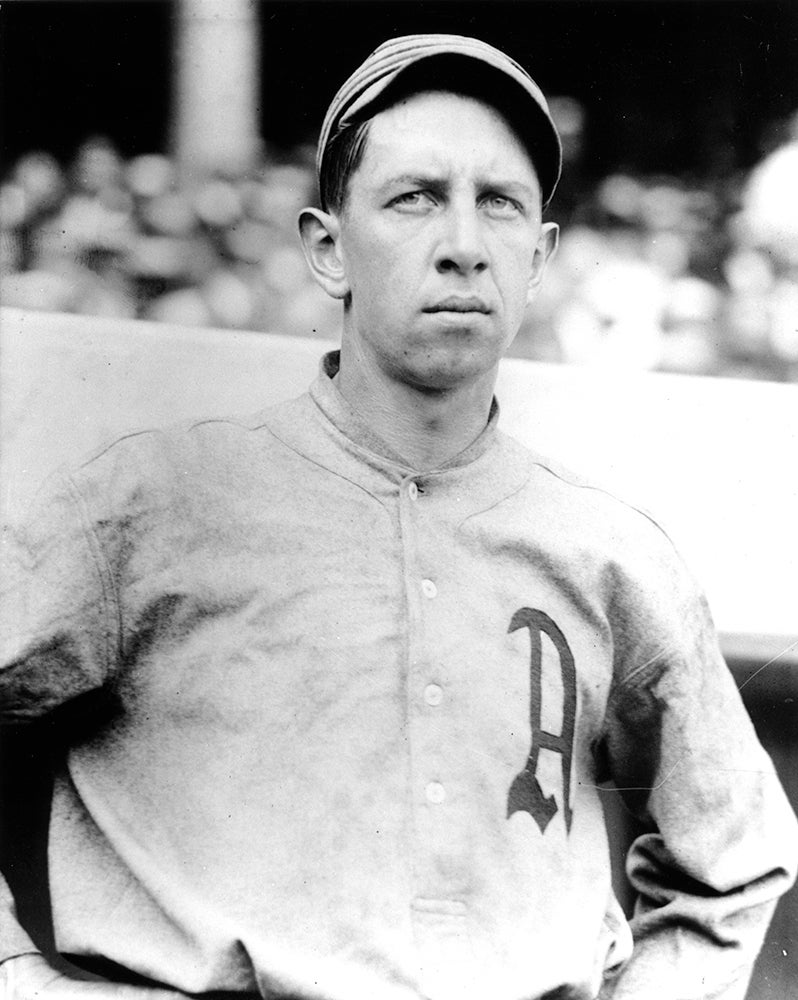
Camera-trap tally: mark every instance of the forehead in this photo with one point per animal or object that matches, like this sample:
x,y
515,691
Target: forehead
x,y
439,130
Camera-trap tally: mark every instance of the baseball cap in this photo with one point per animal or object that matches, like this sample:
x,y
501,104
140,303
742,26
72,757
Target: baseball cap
x,y
364,93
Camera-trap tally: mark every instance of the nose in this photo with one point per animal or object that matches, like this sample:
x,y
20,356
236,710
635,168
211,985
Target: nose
x,y
461,248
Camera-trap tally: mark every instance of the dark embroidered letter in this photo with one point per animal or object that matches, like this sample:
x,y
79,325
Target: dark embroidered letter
x,y
526,795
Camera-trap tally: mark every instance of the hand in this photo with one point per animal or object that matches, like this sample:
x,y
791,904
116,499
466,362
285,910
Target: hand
x,y
31,977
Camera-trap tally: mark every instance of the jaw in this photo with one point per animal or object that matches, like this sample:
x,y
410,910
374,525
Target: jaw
x,y
435,352
456,363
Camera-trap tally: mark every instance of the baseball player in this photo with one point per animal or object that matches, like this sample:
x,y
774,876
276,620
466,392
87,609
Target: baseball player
x,y
366,662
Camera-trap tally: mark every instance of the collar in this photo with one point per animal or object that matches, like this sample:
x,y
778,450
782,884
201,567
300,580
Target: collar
x,y
324,429
328,397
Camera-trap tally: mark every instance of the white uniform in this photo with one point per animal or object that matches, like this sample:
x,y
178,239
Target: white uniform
x,y
362,717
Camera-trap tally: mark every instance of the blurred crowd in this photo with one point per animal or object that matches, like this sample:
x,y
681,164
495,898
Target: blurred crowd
x,y
652,272
117,238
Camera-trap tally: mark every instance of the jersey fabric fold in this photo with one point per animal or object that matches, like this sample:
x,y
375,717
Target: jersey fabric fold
x,y
361,718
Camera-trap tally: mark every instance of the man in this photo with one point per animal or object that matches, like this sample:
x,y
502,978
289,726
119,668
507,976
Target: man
x,y
366,661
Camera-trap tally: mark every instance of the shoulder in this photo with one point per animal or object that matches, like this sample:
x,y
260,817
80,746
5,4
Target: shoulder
x,y
582,503
601,530
162,464
618,555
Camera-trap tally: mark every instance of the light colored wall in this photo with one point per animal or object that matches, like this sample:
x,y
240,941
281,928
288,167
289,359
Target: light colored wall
x,y
715,460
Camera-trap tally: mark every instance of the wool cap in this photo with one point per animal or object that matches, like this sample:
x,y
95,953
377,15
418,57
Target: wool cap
x,y
359,98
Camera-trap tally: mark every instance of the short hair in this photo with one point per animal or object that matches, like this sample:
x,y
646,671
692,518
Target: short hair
x,y
342,157
445,73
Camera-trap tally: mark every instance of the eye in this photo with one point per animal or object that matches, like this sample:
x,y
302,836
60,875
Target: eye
x,y
412,201
500,206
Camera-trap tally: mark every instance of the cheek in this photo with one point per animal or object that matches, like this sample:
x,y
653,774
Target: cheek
x,y
386,276
514,271
369,260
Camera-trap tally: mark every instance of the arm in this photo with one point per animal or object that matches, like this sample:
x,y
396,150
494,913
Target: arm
x,y
25,973
59,631
54,645
683,752
59,640
31,977
13,939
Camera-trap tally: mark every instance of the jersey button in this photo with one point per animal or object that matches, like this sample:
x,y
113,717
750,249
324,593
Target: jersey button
x,y
429,589
435,793
412,491
433,694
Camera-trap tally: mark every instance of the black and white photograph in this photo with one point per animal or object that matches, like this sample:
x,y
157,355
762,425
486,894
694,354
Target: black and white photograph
x,y
399,500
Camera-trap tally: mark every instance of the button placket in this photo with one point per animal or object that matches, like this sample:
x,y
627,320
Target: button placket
x,y
433,794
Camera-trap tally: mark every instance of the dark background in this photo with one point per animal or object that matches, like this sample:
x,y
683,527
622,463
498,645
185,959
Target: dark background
x,y
690,87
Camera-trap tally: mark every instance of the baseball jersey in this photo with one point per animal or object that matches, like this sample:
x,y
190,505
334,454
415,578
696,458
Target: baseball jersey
x,y
359,720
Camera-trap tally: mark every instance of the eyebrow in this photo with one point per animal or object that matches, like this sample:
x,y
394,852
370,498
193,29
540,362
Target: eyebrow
x,y
429,181
413,180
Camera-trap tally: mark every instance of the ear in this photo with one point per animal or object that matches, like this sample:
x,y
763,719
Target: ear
x,y
320,234
544,251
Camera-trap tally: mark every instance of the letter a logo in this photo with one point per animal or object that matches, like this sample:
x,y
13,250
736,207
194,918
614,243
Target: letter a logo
x,y
525,794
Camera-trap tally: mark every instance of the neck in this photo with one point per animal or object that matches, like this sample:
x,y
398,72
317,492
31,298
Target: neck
x,y
427,427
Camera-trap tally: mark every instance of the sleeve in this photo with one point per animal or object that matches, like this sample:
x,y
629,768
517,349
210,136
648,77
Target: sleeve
x,y
57,630
14,941
721,840
58,617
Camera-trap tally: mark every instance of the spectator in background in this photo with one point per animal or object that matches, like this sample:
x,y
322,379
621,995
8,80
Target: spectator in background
x,y
762,269
120,239
651,273
360,664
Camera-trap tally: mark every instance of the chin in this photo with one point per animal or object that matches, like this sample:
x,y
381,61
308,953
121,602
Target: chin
x,y
438,371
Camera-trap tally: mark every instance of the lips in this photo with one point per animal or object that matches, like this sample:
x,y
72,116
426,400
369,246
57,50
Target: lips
x,y
459,304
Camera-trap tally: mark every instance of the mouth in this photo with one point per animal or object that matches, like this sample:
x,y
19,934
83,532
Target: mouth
x,y
459,304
